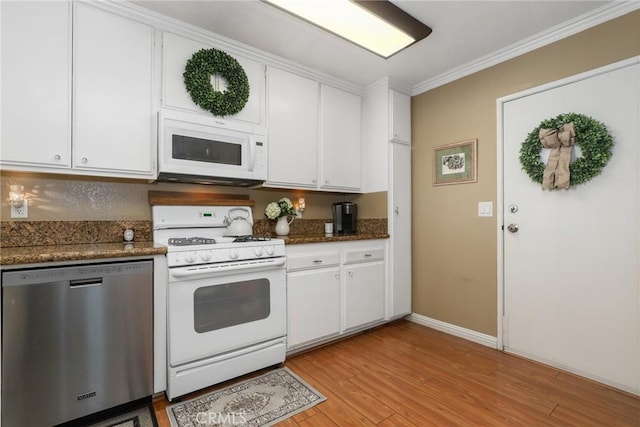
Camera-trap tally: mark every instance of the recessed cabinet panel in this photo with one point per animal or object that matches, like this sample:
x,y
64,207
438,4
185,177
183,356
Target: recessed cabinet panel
x,y
313,304
293,129
36,84
113,83
364,294
340,118
177,50
400,117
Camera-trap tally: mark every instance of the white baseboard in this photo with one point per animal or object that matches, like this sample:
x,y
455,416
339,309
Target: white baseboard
x,y
467,334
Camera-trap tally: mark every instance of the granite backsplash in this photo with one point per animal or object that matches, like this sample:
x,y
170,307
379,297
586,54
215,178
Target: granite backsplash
x,y
48,233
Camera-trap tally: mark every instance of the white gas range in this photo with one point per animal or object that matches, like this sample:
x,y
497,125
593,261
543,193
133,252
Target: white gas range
x,y
226,297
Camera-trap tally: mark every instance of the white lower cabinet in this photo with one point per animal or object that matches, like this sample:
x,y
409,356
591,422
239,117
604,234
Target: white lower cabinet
x,y
364,293
313,299
334,289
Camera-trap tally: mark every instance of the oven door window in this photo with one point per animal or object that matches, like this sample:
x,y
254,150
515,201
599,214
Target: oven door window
x,y
222,306
206,150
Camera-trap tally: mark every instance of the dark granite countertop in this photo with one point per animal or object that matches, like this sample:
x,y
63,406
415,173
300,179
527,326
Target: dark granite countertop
x,y
297,239
76,252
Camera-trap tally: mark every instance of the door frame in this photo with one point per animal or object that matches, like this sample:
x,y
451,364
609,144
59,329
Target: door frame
x,y
500,172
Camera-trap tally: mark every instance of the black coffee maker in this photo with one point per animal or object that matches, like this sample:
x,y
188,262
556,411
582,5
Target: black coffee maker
x,y
345,217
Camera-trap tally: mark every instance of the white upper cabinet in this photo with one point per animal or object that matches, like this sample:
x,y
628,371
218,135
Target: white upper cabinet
x,y
36,85
314,134
113,120
293,129
177,50
112,132
399,117
340,127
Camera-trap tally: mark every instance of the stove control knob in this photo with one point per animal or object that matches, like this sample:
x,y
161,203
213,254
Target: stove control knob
x,y
190,258
206,256
233,254
258,251
270,250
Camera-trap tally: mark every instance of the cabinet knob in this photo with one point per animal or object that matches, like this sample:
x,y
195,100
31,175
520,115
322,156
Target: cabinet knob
x,y
326,182
85,160
313,181
350,274
57,157
397,210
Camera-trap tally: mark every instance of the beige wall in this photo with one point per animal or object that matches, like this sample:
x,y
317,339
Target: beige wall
x,y
454,251
67,198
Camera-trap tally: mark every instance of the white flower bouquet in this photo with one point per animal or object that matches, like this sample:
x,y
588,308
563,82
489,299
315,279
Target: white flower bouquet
x,y
282,207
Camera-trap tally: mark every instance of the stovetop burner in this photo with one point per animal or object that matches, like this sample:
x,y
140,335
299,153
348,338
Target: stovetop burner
x,y
190,241
242,239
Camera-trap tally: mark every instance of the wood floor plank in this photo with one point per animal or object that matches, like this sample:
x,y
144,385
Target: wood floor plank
x,y
337,409
404,374
318,374
318,420
396,421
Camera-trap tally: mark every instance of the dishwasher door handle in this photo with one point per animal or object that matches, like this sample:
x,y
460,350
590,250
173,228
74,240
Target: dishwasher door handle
x,y
83,283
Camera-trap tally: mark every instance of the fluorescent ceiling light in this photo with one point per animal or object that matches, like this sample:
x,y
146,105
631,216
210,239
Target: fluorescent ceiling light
x,y
377,25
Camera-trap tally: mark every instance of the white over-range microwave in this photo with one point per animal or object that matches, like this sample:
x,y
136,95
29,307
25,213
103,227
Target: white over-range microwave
x,y
194,148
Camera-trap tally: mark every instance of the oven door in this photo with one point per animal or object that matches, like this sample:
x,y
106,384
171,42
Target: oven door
x,y
210,314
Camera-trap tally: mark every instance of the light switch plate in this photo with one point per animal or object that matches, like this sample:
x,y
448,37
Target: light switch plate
x,y
485,209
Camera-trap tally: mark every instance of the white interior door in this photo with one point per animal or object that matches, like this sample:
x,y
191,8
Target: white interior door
x,y
571,271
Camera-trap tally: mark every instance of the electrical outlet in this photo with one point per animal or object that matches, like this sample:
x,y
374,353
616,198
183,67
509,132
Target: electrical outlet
x,y
20,212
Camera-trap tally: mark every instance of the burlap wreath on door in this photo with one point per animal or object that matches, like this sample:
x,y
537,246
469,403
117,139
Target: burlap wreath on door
x,y
561,134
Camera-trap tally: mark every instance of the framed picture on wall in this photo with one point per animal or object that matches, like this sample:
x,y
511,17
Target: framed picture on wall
x,y
456,163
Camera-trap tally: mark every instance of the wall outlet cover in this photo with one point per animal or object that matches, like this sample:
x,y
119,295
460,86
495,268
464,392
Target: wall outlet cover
x,y
20,212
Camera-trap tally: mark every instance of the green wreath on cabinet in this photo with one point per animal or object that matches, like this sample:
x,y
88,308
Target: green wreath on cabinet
x,y
197,78
566,130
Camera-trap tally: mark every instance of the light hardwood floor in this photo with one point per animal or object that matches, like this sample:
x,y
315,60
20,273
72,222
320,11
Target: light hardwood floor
x,y
404,374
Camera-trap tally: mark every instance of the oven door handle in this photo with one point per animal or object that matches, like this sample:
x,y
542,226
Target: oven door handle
x,y
253,265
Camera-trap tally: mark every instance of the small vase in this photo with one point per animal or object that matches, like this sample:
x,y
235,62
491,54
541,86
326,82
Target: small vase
x,y
282,226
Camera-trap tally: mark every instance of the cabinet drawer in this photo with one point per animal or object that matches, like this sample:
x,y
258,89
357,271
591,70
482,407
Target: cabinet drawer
x,y
301,262
352,257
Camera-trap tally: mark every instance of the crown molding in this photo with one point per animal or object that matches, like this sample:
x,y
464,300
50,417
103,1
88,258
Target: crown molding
x,y
597,16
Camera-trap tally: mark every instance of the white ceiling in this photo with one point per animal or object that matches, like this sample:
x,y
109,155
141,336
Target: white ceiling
x,y
466,34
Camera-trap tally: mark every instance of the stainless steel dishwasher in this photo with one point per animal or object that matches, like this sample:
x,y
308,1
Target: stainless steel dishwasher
x,y
75,340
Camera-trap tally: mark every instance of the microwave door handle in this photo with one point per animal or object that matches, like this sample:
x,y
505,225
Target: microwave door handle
x,y
252,152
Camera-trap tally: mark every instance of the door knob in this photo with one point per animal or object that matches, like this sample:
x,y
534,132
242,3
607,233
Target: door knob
x,y
513,228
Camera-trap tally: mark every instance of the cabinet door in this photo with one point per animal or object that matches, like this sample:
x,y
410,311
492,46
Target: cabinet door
x,y
113,93
313,305
36,84
340,114
293,129
400,224
400,117
364,294
177,50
